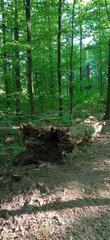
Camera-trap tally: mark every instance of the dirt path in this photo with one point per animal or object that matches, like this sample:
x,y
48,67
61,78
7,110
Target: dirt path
x,y
68,202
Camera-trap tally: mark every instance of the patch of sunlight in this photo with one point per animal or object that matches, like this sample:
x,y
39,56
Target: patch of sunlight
x,y
15,127
104,193
83,1
86,1
2,91
24,91
107,161
88,40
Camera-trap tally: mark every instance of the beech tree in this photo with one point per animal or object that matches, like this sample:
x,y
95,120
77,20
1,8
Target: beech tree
x,y
59,55
107,114
71,77
17,60
81,45
4,53
27,5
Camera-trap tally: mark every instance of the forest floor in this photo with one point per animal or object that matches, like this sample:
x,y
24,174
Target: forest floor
x,y
56,202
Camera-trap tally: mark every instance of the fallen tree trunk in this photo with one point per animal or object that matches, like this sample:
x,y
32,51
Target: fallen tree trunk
x,y
47,143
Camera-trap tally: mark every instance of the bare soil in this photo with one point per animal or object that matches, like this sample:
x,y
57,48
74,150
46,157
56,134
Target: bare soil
x,y
57,202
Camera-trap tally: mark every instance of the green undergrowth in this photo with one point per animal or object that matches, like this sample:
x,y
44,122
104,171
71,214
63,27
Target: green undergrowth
x,y
81,154
84,106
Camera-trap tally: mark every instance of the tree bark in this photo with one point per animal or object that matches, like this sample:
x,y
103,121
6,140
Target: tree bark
x,y
17,60
5,66
100,57
107,113
59,57
100,70
88,70
71,77
50,50
81,32
29,55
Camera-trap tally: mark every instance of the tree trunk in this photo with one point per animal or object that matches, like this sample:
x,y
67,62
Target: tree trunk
x,y
5,66
51,70
81,76
17,60
100,70
59,57
50,56
71,77
29,55
100,58
107,114
88,70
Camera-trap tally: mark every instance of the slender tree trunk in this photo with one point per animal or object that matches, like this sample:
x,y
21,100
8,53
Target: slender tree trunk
x,y
81,76
107,114
5,66
68,65
59,57
100,58
100,69
51,70
27,4
88,70
51,58
81,32
71,77
17,60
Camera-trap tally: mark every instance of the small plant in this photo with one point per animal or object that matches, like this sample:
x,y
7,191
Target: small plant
x,y
16,147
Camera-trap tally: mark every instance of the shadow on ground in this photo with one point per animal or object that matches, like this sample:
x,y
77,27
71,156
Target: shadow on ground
x,y
79,203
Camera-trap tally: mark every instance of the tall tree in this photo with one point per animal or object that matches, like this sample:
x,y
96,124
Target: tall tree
x,y
51,58
48,8
17,60
81,33
27,5
107,114
59,56
100,55
5,66
71,77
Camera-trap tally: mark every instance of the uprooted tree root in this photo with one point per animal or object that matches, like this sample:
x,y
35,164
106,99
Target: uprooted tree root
x,y
46,143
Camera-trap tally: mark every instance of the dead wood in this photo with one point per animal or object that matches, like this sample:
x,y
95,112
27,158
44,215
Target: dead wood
x,y
46,143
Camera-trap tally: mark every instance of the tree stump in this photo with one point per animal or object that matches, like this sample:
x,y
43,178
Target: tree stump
x,y
46,143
